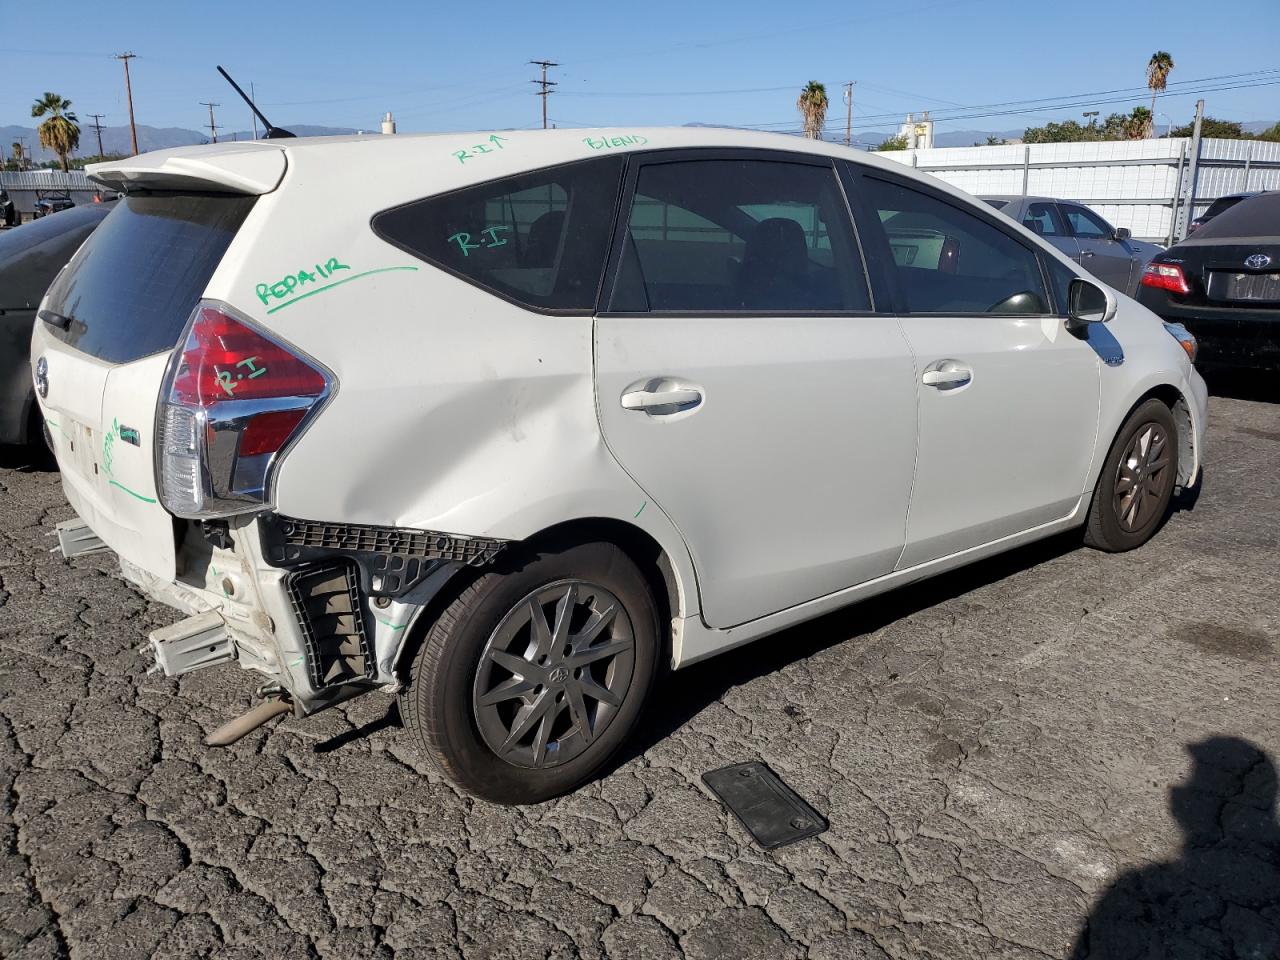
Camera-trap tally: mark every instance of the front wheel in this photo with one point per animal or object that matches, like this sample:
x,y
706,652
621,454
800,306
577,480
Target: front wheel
x,y
531,679
1135,487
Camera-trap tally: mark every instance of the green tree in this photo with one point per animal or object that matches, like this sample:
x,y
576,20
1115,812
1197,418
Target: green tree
x,y
813,109
61,132
1158,69
1137,126
893,143
1271,133
1212,127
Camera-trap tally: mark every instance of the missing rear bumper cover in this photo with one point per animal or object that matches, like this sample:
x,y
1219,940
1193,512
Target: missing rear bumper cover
x,y
392,560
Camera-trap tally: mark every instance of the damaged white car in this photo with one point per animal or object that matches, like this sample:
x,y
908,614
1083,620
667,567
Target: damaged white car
x,y
528,418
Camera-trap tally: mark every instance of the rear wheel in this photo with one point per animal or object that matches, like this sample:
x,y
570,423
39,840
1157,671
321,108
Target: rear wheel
x,y
533,677
1135,487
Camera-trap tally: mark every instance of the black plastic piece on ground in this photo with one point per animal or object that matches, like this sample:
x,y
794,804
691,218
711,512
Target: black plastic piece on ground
x,y
771,811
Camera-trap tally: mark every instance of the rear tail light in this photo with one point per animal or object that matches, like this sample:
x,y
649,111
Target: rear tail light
x,y
234,398
1165,276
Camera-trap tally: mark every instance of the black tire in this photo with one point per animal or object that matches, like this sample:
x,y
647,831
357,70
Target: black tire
x,y
1116,522
439,703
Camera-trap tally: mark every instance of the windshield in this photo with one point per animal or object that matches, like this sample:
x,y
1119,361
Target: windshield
x,y
132,286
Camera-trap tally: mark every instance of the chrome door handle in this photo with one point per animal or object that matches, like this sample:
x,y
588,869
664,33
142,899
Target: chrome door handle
x,y
661,397
1086,253
946,375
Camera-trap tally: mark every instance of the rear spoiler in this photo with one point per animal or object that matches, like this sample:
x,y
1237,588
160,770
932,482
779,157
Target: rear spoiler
x,y
251,168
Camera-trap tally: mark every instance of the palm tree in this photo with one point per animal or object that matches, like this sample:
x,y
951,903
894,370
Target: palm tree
x,y
1158,69
61,132
813,109
1137,126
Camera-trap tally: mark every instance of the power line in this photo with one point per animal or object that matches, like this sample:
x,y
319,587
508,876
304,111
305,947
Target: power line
x,y
213,129
1060,103
128,89
97,128
546,86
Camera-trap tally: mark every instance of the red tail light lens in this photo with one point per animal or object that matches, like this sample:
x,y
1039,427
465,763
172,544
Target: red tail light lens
x,y
237,397
1165,276
223,360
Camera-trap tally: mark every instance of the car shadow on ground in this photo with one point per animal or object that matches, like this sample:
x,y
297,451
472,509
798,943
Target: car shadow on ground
x,y
1256,385
1219,898
31,458
685,693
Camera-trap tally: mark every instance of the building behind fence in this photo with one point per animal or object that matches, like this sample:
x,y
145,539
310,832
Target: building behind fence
x,y
1153,187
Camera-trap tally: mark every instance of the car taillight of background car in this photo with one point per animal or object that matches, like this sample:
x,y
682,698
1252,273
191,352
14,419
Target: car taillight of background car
x,y
234,398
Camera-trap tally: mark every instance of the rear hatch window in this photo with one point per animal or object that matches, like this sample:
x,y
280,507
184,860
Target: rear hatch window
x,y
131,288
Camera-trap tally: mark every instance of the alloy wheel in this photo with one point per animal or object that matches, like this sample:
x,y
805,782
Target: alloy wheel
x,y
1142,478
554,674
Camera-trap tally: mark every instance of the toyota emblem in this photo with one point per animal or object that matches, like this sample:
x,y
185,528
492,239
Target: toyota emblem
x,y
1258,261
42,377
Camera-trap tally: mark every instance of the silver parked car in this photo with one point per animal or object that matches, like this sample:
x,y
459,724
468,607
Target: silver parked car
x,y
1109,253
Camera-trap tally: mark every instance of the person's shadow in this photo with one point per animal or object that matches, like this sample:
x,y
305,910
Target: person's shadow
x,y
1221,897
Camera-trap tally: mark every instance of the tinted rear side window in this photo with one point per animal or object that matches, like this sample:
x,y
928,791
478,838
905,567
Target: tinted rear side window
x,y
538,238
131,288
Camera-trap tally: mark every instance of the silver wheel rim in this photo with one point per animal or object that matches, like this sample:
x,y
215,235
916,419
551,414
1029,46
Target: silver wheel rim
x,y
554,674
1142,477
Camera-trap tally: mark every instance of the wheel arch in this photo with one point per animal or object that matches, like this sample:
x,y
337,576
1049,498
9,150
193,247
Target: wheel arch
x,y
656,564
1172,397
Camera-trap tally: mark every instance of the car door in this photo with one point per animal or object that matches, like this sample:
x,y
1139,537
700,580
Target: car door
x,y
1044,220
745,382
1008,397
1108,259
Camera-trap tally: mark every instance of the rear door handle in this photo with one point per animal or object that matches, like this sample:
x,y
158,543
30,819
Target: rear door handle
x,y
946,375
661,396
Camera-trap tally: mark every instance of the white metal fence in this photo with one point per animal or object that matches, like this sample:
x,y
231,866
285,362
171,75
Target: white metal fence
x,y
25,187
1153,187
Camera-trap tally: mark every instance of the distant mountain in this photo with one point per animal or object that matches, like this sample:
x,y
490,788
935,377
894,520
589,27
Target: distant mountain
x,y
116,139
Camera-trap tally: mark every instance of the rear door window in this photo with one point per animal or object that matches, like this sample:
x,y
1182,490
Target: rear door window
x,y
131,288
538,238
1043,219
740,236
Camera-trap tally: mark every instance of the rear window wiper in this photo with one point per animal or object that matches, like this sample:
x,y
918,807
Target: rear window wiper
x,y
57,319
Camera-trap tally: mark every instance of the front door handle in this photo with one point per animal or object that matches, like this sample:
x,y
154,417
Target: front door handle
x,y
946,375
661,396
1086,253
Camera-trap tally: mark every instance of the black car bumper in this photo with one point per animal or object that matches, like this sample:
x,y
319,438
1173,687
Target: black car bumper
x,y
1228,336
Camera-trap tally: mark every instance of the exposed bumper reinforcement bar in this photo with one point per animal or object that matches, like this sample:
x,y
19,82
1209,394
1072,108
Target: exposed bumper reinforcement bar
x,y
191,644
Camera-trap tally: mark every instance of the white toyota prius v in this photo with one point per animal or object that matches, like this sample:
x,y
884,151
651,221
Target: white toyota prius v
x,y
525,419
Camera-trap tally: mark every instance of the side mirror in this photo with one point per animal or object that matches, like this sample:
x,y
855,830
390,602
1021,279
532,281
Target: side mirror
x,y
1088,303
1121,233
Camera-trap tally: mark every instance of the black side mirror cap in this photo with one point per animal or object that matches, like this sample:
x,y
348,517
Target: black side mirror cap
x,y
1122,233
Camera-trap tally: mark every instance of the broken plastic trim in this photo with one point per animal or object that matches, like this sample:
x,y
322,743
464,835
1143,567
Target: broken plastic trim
x,y
392,560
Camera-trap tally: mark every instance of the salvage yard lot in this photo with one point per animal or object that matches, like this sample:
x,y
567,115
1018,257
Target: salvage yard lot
x,y
992,748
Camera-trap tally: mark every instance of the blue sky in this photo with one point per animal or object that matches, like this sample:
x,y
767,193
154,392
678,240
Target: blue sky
x,y
464,65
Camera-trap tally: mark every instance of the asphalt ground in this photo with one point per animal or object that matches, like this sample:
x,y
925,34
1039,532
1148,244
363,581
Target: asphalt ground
x,y
1056,752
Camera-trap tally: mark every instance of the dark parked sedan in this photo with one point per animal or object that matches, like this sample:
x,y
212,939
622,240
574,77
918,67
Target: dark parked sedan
x,y
30,257
1223,284
1218,207
1109,253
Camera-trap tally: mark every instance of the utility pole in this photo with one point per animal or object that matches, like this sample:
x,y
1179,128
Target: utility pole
x,y
1193,172
213,129
545,84
848,115
97,128
128,89
24,162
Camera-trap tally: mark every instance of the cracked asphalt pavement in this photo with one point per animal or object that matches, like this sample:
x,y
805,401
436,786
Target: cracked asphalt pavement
x,y
1055,753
